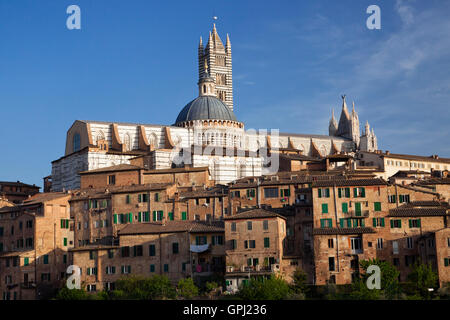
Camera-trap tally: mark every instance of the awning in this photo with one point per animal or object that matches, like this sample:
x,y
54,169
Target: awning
x,y
200,248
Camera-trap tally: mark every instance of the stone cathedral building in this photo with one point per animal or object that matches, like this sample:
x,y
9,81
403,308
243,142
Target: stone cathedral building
x,y
205,133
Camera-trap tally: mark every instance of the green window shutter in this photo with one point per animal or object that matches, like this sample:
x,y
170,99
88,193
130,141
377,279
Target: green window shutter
x,y
377,206
355,192
62,223
410,223
357,207
418,223
344,207
362,223
170,215
320,192
322,223
349,223
347,192
327,192
324,208
139,216
115,218
266,242
339,192
183,215
363,192
139,197
399,223
341,223
26,261
90,204
249,262
382,222
374,222
65,242
446,262
154,215
392,223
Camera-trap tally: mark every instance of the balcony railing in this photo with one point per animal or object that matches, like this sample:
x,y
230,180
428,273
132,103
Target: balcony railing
x,y
358,214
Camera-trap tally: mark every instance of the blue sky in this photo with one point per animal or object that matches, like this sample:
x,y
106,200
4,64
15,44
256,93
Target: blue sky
x,y
136,61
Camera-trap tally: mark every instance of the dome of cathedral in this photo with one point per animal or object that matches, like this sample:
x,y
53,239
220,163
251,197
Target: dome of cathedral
x,y
205,108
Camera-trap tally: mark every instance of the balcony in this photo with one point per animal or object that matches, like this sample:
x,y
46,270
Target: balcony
x,y
28,285
357,214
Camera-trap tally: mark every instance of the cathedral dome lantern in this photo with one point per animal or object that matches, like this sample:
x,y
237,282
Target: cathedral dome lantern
x,y
207,107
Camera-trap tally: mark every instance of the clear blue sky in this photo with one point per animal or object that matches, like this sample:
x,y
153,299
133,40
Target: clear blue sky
x,y
136,61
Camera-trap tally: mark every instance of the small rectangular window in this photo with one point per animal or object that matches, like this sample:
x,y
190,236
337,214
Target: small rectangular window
x,y
266,225
249,225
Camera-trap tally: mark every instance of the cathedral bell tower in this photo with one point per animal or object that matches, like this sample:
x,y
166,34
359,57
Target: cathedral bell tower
x,y
218,58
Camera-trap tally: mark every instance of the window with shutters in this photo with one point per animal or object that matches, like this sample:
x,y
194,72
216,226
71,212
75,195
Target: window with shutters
x,y
265,224
249,225
397,223
344,207
166,268
46,259
151,250
380,243
414,223
152,268
125,251
331,266
446,262
138,251
331,243
110,254
409,243
359,192
233,244
395,247
271,192
251,193
266,242
326,223
128,199
324,208
183,215
377,206
175,247
378,222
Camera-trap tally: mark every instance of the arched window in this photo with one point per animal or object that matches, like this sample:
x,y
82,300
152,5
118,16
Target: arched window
x,y
76,142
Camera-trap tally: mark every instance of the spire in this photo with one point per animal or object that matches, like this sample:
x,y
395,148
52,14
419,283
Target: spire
x,y
228,45
200,45
367,128
333,126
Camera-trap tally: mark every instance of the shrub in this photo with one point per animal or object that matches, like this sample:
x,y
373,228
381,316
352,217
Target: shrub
x,y
273,288
72,294
186,288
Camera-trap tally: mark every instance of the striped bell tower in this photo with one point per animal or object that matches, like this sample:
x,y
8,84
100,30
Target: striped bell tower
x,y
218,59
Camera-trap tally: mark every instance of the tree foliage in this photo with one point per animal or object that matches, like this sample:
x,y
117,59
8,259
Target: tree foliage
x,y
423,278
273,288
300,281
141,288
72,294
187,288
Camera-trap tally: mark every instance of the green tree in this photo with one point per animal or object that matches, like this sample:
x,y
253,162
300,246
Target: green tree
x,y
422,278
300,281
390,288
273,288
187,288
72,294
141,288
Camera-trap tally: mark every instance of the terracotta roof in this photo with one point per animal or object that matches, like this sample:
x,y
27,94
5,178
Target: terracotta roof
x,y
349,182
176,170
425,203
216,191
254,214
120,167
433,181
94,247
299,157
172,226
18,184
15,253
43,197
332,231
412,157
417,212
93,193
409,187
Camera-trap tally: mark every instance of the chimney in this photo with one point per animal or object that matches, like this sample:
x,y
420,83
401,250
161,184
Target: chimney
x,y
387,152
